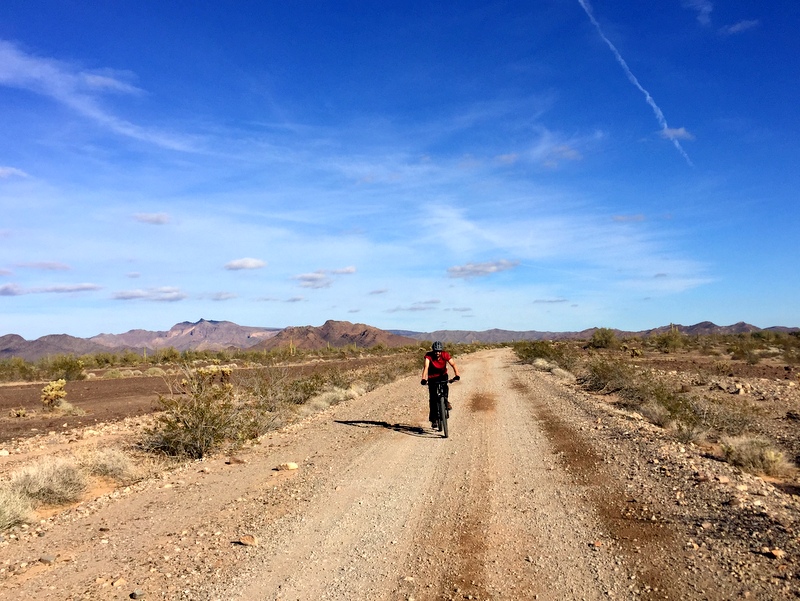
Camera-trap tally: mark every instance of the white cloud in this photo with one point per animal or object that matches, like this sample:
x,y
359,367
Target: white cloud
x,y
6,172
740,27
472,270
223,296
318,279
672,133
245,263
703,9
162,294
152,218
344,270
628,218
11,290
45,266
16,290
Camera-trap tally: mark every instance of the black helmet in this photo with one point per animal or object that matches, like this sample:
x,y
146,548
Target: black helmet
x,y
437,346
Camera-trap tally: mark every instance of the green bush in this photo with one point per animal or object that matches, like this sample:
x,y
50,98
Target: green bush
x,y
197,418
604,338
63,367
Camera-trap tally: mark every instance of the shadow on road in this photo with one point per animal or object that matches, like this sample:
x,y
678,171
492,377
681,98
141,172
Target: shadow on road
x,y
403,428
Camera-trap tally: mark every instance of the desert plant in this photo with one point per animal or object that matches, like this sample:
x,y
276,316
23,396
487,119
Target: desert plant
x,y
15,508
198,417
109,463
669,341
18,412
604,338
64,367
53,394
754,454
52,482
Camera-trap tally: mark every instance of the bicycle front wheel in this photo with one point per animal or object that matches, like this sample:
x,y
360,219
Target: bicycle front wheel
x,y
443,416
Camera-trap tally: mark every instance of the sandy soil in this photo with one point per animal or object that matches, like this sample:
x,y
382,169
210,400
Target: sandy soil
x,y
541,492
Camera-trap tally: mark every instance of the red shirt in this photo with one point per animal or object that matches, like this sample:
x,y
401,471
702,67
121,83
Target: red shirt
x,y
437,369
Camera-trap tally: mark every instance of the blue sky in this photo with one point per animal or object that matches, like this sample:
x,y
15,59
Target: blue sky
x,y
552,165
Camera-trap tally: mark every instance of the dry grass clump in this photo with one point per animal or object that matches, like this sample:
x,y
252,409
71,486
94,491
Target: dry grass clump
x,y
15,508
51,482
110,463
755,454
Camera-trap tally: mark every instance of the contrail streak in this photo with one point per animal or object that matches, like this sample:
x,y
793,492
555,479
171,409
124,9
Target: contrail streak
x,y
632,78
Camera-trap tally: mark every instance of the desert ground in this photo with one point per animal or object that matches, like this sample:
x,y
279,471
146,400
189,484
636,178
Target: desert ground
x,y
542,491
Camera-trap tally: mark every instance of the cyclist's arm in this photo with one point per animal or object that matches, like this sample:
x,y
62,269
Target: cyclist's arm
x,y
425,369
455,369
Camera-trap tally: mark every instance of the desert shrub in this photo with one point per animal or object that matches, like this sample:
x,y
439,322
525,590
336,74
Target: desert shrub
x,y
754,454
63,367
109,463
52,482
155,371
17,369
687,433
112,374
670,341
562,354
18,412
53,394
15,508
743,348
604,338
197,418
608,374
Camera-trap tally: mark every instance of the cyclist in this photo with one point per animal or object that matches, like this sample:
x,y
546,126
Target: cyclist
x,y
435,371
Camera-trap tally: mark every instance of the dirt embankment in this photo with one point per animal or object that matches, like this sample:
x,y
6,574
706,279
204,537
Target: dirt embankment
x,y
541,492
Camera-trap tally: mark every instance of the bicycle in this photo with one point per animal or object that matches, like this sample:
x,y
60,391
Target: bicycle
x,y
441,405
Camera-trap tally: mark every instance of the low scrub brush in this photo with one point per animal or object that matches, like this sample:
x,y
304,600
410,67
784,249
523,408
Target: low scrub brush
x,y
15,508
51,482
755,454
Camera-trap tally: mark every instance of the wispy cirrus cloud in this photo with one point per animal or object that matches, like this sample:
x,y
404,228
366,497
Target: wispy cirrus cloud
x,y
321,278
245,263
223,296
637,218
152,218
474,270
6,172
549,301
167,294
79,90
740,27
703,9
16,290
45,266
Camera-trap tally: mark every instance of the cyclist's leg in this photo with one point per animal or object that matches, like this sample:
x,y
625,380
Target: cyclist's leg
x,y
433,404
446,389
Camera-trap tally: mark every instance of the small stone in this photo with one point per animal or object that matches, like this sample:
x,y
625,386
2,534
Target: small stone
x,y
248,540
48,559
4,453
119,582
777,553
289,465
137,594
235,461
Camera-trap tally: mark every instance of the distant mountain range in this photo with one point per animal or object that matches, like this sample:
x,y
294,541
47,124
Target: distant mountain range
x,y
219,335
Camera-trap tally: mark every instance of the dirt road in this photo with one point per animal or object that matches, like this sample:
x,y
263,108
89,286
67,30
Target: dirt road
x,y
536,495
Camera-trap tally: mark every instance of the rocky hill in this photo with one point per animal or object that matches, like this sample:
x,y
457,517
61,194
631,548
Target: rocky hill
x,y
202,335
335,334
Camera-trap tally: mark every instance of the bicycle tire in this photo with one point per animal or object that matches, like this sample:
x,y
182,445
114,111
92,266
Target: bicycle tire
x,y
442,413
